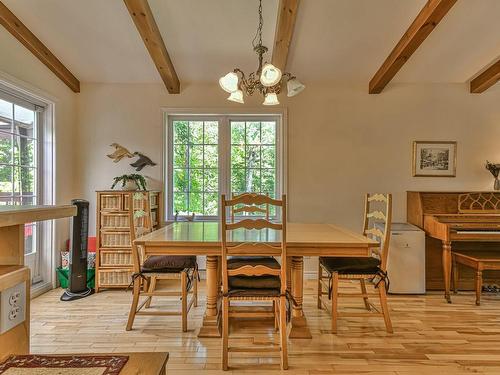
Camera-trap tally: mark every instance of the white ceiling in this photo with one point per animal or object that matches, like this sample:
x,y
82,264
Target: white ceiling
x,y
334,40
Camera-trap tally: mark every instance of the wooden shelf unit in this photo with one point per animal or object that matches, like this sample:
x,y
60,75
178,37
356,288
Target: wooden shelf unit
x,y
117,225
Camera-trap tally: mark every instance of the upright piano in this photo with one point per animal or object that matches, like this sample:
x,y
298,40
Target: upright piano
x,y
454,220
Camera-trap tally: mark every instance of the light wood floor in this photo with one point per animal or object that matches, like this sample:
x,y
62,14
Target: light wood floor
x,y
431,337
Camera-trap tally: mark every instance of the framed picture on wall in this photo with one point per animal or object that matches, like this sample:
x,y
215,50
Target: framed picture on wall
x,y
434,159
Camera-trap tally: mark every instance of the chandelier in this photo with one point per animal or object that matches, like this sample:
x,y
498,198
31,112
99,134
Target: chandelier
x,y
268,79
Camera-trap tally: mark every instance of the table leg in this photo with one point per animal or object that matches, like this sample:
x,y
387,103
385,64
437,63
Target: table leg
x,y
299,330
210,327
447,269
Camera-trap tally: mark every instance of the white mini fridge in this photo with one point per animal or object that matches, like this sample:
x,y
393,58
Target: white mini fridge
x,y
406,261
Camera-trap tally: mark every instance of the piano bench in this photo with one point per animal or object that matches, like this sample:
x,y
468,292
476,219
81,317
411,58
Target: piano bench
x,y
479,261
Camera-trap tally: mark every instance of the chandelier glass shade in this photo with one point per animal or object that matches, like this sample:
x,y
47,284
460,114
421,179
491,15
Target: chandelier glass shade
x,y
267,79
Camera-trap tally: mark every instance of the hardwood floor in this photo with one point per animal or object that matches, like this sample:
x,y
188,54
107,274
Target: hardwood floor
x,y
430,336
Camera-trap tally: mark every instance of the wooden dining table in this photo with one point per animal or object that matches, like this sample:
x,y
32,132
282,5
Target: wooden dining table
x,y
203,238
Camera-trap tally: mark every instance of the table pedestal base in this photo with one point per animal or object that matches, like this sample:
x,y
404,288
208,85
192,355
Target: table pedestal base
x,y
209,328
299,330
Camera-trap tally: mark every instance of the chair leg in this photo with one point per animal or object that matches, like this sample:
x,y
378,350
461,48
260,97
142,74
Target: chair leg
x,y
455,275
225,332
195,288
320,287
283,333
385,309
363,290
479,286
135,302
276,315
335,300
184,300
152,288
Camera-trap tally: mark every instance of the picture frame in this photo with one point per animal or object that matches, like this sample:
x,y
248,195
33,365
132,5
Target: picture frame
x,y
434,159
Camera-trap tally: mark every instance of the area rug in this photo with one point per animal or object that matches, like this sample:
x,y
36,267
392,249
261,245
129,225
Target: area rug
x,y
62,365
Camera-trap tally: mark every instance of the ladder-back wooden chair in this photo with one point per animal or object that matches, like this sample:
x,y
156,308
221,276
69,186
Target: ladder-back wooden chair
x,y
249,273
150,269
241,211
377,225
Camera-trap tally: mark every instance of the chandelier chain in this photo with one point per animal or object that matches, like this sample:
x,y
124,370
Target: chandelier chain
x,y
259,28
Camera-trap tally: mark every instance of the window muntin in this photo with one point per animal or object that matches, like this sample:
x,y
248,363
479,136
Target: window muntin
x,y
248,159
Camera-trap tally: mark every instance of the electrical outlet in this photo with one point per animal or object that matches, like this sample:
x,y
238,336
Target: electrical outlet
x,y
12,307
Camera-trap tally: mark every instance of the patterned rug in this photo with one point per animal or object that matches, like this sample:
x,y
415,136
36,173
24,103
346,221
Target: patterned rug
x,y
62,365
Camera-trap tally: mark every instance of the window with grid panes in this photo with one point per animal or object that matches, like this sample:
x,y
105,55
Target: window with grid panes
x,y
216,155
19,158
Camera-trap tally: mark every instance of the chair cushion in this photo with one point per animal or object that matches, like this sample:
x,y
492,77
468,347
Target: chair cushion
x,y
237,262
168,263
344,265
254,292
254,282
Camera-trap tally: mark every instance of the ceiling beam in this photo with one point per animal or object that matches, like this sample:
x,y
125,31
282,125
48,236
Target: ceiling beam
x,y
287,14
37,48
148,29
428,18
486,79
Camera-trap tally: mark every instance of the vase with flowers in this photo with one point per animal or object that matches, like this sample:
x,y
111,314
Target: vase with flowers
x,y
494,170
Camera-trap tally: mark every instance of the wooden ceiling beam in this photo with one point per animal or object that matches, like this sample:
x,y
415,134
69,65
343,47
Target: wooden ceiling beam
x,y
287,14
486,79
428,18
37,48
148,29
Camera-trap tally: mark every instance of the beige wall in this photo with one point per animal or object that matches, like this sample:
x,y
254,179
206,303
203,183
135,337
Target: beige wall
x,y
18,62
342,142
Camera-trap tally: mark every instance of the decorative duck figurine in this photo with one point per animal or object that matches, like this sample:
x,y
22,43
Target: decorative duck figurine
x,y
141,162
119,153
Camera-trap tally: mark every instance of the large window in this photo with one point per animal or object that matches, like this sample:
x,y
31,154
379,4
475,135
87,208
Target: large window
x,y
211,155
20,162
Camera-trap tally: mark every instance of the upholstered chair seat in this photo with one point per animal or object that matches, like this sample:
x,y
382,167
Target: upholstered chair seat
x,y
168,263
345,265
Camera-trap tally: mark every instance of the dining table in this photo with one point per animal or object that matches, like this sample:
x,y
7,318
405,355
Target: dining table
x,y
203,238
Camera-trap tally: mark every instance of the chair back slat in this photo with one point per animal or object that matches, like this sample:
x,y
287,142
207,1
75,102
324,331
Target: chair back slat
x,y
254,224
241,209
231,247
253,199
249,270
377,223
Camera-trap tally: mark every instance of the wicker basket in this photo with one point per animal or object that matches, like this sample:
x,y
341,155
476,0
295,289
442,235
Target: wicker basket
x,y
153,200
115,221
115,258
115,239
115,278
139,204
111,202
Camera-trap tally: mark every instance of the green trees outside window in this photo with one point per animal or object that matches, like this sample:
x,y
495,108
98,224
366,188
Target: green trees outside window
x,y
197,146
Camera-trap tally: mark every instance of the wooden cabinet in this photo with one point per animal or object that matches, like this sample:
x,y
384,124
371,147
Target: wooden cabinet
x,y
118,224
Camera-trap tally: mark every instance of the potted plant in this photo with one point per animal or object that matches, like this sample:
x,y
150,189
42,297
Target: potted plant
x,y
130,182
494,170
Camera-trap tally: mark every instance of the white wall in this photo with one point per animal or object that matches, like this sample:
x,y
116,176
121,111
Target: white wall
x,y
18,62
342,142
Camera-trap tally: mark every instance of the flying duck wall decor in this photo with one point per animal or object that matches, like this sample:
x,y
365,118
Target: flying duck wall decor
x,y
142,161
119,153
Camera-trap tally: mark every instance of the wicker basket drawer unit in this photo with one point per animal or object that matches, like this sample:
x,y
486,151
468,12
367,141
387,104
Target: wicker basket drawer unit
x,y
111,202
115,278
115,258
115,239
115,232
114,221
